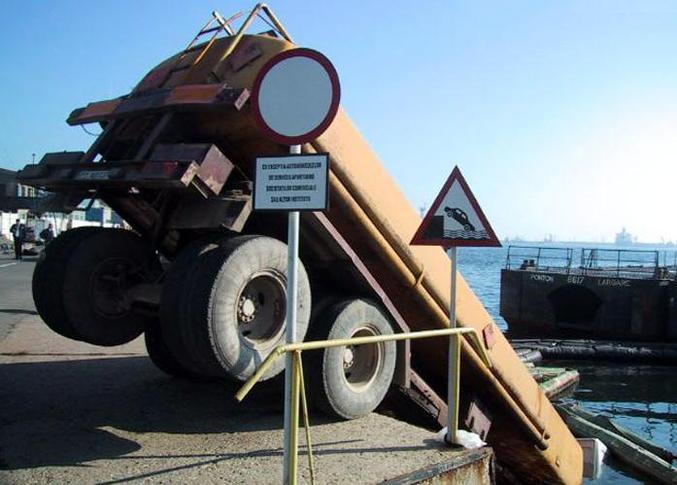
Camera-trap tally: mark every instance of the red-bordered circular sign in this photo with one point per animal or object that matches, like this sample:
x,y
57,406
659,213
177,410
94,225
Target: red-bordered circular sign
x,y
296,96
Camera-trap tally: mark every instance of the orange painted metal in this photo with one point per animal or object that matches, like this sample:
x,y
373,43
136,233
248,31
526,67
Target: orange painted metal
x,y
191,94
100,108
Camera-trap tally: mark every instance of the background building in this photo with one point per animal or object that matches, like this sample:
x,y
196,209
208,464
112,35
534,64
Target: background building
x,y
18,201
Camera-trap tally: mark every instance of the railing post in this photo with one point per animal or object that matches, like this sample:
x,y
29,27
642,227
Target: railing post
x,y
294,432
306,417
454,387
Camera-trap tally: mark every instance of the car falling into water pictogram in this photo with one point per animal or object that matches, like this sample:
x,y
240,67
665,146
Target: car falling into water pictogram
x,y
459,216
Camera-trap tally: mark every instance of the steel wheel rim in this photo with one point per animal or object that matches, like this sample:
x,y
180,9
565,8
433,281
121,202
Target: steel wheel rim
x,y
362,363
261,309
109,281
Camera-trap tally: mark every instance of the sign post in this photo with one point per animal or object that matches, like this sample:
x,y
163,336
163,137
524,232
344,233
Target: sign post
x,y
293,223
455,219
294,100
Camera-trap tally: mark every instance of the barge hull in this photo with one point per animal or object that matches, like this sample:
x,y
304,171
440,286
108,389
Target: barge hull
x,y
548,304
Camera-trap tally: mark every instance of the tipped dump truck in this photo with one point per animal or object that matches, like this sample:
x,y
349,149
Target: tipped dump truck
x,y
203,277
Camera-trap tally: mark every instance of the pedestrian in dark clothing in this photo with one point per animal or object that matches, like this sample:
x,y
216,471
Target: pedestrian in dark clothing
x,y
18,231
47,234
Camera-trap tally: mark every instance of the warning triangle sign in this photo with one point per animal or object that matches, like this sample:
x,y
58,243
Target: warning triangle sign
x,y
455,218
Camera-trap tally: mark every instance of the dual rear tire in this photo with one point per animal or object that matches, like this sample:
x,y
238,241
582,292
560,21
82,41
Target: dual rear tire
x,y
224,306
354,379
80,285
48,280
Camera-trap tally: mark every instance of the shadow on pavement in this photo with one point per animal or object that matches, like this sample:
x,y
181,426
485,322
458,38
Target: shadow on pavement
x,y
13,311
52,413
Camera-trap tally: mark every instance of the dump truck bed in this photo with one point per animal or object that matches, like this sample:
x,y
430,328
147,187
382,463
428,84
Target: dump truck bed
x,y
370,222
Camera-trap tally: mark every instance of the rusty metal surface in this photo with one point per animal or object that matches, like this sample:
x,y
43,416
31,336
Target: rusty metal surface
x,y
199,213
60,158
362,268
478,420
94,176
245,53
214,167
426,397
193,97
465,467
489,333
170,166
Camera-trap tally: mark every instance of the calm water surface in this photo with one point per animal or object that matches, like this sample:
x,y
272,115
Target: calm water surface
x,y
640,398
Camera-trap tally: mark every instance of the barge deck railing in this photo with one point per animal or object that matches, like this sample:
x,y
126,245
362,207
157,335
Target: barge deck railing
x,y
619,263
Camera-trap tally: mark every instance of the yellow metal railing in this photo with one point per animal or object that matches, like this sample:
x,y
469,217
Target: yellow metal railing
x,y
298,391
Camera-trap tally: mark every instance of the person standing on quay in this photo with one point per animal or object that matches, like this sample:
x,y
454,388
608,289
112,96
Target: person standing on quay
x,y
18,231
47,234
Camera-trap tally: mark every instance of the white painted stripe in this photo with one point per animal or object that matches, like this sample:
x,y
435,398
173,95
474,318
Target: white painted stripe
x,y
5,265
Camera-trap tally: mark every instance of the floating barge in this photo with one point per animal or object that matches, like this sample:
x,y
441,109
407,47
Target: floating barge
x,y
604,350
609,294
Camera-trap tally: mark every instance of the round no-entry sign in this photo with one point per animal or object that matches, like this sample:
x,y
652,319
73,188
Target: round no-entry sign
x,y
296,96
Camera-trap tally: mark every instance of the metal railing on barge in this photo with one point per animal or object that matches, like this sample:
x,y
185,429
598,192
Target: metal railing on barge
x,y
618,263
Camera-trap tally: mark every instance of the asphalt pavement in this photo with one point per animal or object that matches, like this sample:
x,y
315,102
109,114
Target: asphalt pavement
x,y
76,413
15,292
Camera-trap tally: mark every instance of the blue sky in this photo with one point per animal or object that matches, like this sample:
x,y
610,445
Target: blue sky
x,y
561,115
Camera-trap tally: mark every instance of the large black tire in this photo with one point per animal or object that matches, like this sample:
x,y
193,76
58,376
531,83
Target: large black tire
x,y
48,279
239,304
350,382
175,308
161,355
102,268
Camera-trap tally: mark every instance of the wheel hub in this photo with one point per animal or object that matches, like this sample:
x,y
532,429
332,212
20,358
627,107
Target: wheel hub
x,y
247,308
348,357
110,280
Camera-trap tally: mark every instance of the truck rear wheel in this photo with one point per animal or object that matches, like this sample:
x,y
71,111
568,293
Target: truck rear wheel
x,y
351,381
160,354
175,308
48,279
239,304
102,269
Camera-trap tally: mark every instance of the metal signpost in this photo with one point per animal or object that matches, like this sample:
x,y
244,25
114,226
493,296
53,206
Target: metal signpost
x,y
294,100
455,219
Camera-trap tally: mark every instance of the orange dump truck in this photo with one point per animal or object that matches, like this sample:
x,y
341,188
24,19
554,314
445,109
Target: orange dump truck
x,y
203,277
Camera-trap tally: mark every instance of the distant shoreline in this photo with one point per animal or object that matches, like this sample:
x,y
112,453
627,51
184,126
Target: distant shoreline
x,y
637,245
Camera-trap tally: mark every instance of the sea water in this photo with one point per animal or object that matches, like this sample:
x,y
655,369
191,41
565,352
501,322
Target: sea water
x,y
640,398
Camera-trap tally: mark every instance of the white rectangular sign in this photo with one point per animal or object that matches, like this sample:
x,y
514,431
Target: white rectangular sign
x,y
292,182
